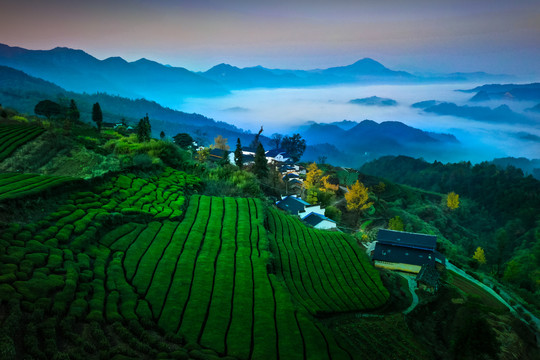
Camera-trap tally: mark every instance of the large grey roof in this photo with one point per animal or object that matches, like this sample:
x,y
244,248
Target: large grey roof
x,y
412,240
404,255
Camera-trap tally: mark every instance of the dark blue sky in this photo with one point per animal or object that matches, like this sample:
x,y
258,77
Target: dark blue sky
x,y
447,36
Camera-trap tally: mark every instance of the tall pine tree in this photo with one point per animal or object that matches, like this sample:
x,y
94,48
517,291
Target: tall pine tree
x,y
238,154
97,115
143,129
261,166
73,112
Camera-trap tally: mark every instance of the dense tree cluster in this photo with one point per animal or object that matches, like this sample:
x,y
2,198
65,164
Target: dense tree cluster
x,y
506,218
49,109
294,146
144,131
183,140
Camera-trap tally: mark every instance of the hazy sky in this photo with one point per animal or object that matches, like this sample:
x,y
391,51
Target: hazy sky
x,y
431,35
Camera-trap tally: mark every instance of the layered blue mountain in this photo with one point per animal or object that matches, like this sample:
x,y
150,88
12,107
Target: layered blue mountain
x,y
534,109
365,69
530,92
374,101
22,92
233,77
78,71
369,139
500,114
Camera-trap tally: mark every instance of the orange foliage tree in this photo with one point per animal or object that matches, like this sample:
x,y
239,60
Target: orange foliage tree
x,y
357,197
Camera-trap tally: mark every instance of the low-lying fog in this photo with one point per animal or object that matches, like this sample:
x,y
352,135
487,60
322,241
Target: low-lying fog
x,y
282,110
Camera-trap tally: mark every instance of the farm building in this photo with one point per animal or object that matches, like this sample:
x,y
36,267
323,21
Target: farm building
x,y
398,250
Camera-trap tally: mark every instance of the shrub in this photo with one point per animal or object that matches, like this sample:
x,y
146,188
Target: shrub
x,y
64,234
142,161
39,259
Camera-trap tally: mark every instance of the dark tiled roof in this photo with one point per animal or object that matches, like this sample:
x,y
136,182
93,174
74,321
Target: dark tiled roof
x,y
276,152
249,149
286,168
292,205
401,238
428,275
246,159
404,255
217,154
314,219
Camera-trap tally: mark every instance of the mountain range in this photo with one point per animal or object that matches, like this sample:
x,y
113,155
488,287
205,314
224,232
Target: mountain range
x,y
23,92
345,141
500,114
76,70
528,92
369,139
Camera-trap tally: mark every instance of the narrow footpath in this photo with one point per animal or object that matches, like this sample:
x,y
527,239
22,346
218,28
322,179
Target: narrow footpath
x,y
412,288
457,270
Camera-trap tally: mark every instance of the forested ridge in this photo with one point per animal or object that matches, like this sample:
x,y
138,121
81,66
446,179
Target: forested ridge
x,y
505,215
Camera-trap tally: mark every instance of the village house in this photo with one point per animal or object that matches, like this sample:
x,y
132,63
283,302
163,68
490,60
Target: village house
x,y
404,251
310,214
293,204
319,221
219,154
278,156
311,209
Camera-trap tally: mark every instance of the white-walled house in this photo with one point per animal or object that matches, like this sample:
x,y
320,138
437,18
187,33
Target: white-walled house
x,y
311,209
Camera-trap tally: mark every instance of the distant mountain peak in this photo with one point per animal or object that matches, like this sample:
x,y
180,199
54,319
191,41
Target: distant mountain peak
x,y
115,60
369,62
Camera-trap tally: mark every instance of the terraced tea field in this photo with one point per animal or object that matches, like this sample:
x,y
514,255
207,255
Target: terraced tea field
x,y
324,271
13,186
13,136
132,258
206,278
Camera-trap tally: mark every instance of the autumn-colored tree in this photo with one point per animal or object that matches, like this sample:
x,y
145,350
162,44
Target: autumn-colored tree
x,y
312,196
313,176
328,186
357,197
452,200
221,143
396,223
480,256
203,154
